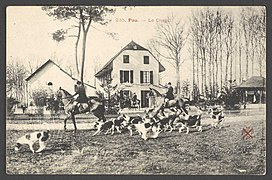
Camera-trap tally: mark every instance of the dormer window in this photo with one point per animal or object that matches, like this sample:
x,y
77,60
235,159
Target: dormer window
x,y
146,59
125,58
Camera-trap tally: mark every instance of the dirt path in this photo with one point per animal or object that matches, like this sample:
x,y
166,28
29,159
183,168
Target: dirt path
x,y
59,126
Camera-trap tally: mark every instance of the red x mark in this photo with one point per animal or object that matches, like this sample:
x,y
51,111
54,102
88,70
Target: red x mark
x,y
247,132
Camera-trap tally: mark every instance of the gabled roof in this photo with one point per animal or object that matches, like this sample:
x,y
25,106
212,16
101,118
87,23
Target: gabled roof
x,y
49,61
253,82
130,46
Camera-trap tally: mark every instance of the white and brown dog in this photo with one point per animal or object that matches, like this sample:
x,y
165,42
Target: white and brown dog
x,y
107,126
148,129
121,122
131,121
31,138
217,116
188,121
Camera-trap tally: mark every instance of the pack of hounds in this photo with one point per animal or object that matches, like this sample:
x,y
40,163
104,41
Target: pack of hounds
x,y
149,125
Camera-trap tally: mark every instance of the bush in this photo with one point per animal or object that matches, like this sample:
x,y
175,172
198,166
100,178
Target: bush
x,y
10,104
39,96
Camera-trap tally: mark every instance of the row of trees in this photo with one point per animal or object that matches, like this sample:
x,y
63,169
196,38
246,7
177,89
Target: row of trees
x,y
224,46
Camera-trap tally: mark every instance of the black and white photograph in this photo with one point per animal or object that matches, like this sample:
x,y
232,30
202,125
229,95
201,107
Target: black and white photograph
x,y
136,90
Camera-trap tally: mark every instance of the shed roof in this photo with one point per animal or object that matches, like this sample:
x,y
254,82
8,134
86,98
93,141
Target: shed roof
x,y
49,61
253,82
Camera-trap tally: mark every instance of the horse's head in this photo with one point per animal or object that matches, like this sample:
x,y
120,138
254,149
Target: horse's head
x,y
63,94
155,92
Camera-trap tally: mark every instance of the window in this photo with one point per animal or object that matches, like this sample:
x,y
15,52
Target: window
x,y
146,59
146,77
126,76
125,58
50,83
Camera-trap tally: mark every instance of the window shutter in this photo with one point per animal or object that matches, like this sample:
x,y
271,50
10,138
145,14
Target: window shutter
x,y
131,76
141,77
151,77
121,76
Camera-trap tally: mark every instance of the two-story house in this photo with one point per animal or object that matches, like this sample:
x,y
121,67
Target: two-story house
x,y
134,69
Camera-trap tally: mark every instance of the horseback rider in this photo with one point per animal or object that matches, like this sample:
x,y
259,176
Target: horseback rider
x,y
169,94
80,95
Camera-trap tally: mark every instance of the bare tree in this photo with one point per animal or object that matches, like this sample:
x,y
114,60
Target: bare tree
x,y
247,34
171,38
240,53
228,32
261,39
15,79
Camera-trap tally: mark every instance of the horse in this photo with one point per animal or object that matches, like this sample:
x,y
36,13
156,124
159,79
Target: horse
x,y
95,105
178,101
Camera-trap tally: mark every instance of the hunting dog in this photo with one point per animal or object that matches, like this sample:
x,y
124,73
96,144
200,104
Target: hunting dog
x,y
31,138
120,122
107,126
188,121
166,119
217,116
148,129
131,122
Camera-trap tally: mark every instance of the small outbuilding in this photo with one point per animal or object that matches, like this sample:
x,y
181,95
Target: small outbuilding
x,y
253,89
51,76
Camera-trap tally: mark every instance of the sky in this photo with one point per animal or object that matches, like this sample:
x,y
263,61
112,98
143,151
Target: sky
x,y
29,36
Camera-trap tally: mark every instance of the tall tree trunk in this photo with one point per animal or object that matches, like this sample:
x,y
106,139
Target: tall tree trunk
x,y
205,71
84,41
210,67
193,53
260,57
178,79
197,66
231,51
76,48
252,57
247,51
178,73
216,67
221,63
202,72
240,56
226,69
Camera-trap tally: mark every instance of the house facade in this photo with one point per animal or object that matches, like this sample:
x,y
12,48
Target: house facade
x,y
134,69
50,76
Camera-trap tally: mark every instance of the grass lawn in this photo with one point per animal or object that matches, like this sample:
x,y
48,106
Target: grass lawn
x,y
212,152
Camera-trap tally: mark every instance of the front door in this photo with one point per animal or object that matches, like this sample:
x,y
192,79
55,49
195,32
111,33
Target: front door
x,y
144,99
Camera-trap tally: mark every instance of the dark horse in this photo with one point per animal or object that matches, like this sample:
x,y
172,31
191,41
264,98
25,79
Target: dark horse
x,y
178,101
95,105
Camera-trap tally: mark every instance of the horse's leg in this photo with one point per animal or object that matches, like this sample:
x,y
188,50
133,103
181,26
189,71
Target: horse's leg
x,y
99,113
74,122
65,120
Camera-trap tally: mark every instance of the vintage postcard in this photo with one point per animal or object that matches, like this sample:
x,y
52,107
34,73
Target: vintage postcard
x,y
136,90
